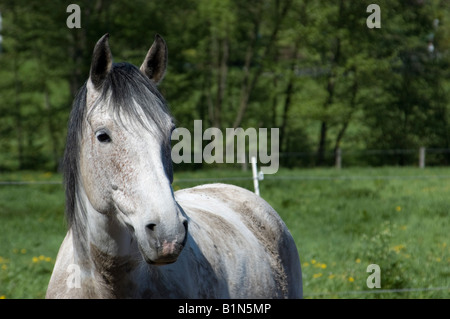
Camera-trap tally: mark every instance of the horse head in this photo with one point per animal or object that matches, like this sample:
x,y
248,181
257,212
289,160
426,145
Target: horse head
x,y
124,155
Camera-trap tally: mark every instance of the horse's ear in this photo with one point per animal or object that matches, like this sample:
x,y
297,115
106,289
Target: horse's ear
x,y
101,62
155,62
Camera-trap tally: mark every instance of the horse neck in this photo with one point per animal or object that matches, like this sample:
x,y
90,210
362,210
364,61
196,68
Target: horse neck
x,y
104,251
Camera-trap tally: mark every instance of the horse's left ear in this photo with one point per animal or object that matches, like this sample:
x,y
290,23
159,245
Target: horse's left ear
x,y
155,62
101,62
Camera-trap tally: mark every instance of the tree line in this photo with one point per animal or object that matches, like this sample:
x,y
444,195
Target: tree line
x,y
314,69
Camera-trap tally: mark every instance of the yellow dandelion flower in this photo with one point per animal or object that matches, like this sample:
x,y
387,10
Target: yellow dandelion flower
x,y
2,297
48,259
317,275
35,259
306,264
398,248
313,261
323,266
47,174
41,257
351,279
23,251
358,260
438,260
398,208
4,267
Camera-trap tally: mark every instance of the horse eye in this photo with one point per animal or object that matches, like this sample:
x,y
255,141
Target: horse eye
x,y
102,137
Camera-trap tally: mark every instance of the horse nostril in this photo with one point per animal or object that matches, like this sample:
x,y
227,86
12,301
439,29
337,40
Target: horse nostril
x,y
151,226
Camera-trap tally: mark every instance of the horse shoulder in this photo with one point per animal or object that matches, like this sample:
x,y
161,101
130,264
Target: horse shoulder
x,y
253,211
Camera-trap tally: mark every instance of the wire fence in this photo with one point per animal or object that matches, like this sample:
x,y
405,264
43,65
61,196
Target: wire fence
x,y
30,182
325,178
341,157
375,291
266,178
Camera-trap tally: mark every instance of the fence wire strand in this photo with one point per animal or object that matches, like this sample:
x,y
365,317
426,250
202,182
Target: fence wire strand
x,y
375,291
298,178
266,177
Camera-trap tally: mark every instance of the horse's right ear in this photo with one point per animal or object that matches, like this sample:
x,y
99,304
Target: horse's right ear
x,y
155,62
101,62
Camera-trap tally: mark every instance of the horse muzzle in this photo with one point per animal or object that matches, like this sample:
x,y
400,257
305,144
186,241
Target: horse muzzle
x,y
160,246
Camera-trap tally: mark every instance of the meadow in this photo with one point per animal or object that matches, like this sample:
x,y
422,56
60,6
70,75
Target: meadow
x,y
342,221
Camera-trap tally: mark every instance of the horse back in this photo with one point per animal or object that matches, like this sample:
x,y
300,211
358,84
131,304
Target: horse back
x,y
237,205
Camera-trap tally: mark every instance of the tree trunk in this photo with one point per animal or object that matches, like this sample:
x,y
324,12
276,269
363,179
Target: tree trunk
x,y
247,85
288,97
344,127
221,81
51,129
18,116
330,99
335,59
322,141
324,125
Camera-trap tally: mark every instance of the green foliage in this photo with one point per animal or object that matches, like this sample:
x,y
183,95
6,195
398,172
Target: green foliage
x,y
312,68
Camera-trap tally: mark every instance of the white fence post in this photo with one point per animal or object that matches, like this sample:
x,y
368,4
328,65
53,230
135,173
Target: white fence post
x,y
338,158
422,152
255,176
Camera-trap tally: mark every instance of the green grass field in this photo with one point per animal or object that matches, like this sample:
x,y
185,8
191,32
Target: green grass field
x,y
342,221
